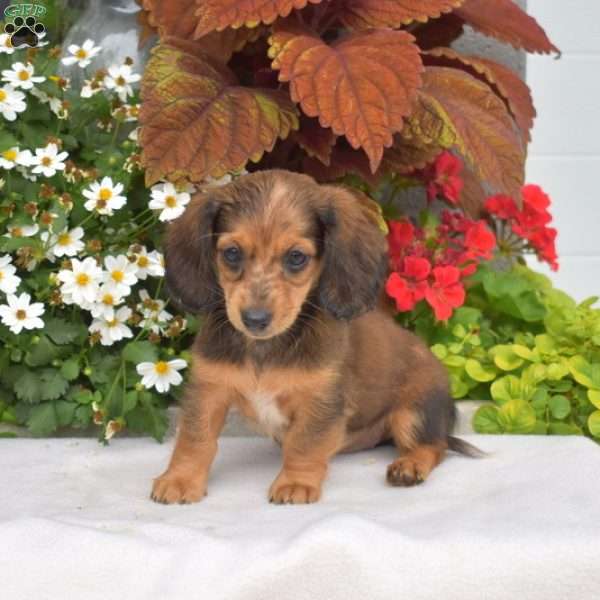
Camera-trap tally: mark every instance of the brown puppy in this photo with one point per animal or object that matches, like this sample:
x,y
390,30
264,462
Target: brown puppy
x,y
287,274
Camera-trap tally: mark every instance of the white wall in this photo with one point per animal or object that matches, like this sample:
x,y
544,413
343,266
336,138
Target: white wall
x,y
565,152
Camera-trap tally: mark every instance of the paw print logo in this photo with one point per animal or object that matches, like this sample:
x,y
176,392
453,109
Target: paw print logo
x,y
25,32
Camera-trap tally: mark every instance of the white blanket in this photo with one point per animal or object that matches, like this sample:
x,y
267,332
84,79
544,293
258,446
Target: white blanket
x,y
76,523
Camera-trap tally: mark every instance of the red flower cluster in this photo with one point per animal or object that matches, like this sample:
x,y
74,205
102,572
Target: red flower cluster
x,y
431,263
531,222
443,178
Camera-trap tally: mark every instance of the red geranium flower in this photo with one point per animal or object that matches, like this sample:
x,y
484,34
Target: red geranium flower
x,y
446,293
501,206
401,235
445,179
409,286
480,241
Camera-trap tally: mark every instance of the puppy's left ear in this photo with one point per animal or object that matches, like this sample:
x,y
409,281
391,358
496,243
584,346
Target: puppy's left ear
x,y
355,260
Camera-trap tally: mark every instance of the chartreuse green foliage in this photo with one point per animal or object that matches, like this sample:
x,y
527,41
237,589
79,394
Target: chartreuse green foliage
x,y
529,349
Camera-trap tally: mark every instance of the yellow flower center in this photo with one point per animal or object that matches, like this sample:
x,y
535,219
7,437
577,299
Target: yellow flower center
x,y
64,239
46,161
81,53
1,275
171,201
24,75
21,314
161,367
82,279
143,262
120,80
108,299
3,95
10,154
112,323
118,276
16,232
105,194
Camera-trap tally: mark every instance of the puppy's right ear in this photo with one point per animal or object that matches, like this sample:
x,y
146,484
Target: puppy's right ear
x,y
189,256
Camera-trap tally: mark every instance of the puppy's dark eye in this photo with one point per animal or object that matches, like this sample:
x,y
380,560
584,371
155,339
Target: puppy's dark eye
x,y
232,256
295,260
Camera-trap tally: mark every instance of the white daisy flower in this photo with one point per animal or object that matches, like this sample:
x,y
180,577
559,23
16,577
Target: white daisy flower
x,y
82,55
80,285
56,105
161,375
19,231
148,263
19,313
119,275
5,45
25,174
113,330
120,78
13,156
21,76
11,102
92,86
153,311
104,197
107,299
169,201
9,282
48,160
66,243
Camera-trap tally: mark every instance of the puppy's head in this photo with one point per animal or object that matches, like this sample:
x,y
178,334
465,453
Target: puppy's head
x,y
272,244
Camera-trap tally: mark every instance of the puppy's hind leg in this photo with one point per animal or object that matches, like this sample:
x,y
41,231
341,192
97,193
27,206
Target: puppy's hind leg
x,y
421,434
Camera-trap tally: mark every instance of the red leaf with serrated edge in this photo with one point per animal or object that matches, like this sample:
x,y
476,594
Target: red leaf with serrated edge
x,y
198,121
172,18
362,86
343,160
508,84
484,132
315,140
216,15
507,22
367,14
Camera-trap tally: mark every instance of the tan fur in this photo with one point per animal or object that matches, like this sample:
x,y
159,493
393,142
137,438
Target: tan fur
x,y
351,384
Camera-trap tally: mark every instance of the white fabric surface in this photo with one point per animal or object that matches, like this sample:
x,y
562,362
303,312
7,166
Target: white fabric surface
x,y
76,523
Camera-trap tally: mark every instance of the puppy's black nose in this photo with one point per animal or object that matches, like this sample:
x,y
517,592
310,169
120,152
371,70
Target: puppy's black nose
x,y
256,319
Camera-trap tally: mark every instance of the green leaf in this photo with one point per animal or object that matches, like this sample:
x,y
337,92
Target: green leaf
x,y
505,358
105,369
486,420
506,389
29,387
459,331
42,353
455,361
7,140
83,417
65,412
440,351
70,369
145,417
53,384
130,401
138,352
564,429
560,407
525,353
10,244
42,419
539,401
585,373
61,331
546,344
594,397
517,417
557,371
594,424
459,388
475,370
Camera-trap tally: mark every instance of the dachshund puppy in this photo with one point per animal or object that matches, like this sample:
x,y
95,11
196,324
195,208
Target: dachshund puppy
x,y
288,274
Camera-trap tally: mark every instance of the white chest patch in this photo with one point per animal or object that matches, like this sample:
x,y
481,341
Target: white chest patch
x,y
269,416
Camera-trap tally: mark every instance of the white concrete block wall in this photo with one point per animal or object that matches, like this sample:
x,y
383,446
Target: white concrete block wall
x,y
564,157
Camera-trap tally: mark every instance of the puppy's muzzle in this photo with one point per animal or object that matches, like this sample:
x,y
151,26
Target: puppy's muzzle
x,y
256,320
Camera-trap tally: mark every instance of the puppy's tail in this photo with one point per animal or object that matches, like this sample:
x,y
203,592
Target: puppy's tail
x,y
461,447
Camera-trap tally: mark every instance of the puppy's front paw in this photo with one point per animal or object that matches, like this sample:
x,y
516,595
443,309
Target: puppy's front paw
x,y
289,492
406,472
170,488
